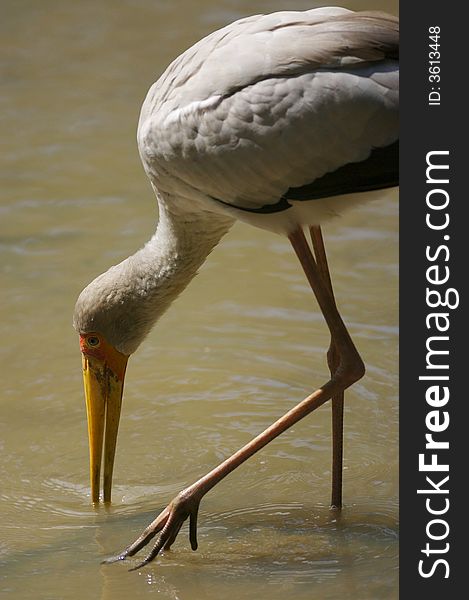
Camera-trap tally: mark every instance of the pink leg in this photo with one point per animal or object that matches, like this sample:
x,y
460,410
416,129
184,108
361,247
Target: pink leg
x,y
333,361
349,369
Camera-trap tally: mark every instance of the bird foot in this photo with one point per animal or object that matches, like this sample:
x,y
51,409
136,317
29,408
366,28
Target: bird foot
x,y
167,524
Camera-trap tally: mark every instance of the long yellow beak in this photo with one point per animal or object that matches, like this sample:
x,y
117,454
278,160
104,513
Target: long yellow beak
x,y
103,377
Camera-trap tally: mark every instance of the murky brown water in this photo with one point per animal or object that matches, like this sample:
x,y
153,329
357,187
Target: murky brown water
x,y
243,344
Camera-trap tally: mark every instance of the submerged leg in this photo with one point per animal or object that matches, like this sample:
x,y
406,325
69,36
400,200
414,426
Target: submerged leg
x,y
333,363
349,369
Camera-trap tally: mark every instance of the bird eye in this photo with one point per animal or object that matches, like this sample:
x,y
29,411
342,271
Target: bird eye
x,y
93,341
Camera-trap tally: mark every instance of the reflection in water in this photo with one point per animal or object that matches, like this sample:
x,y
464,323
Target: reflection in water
x,y
243,345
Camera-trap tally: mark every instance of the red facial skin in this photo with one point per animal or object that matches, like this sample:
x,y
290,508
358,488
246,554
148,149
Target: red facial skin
x,y
103,352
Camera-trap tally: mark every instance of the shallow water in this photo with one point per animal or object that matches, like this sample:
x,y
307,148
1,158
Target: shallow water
x,y
242,345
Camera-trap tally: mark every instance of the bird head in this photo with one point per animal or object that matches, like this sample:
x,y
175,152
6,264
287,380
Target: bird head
x,y
109,331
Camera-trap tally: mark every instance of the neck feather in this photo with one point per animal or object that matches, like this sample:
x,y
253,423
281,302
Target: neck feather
x,y
169,261
124,303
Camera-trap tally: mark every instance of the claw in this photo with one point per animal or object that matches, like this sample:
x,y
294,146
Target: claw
x,y
113,559
193,528
167,524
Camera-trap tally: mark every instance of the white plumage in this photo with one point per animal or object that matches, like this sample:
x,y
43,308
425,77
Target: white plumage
x,y
269,103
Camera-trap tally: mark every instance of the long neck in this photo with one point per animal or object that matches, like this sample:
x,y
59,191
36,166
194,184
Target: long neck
x,y
160,271
179,247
